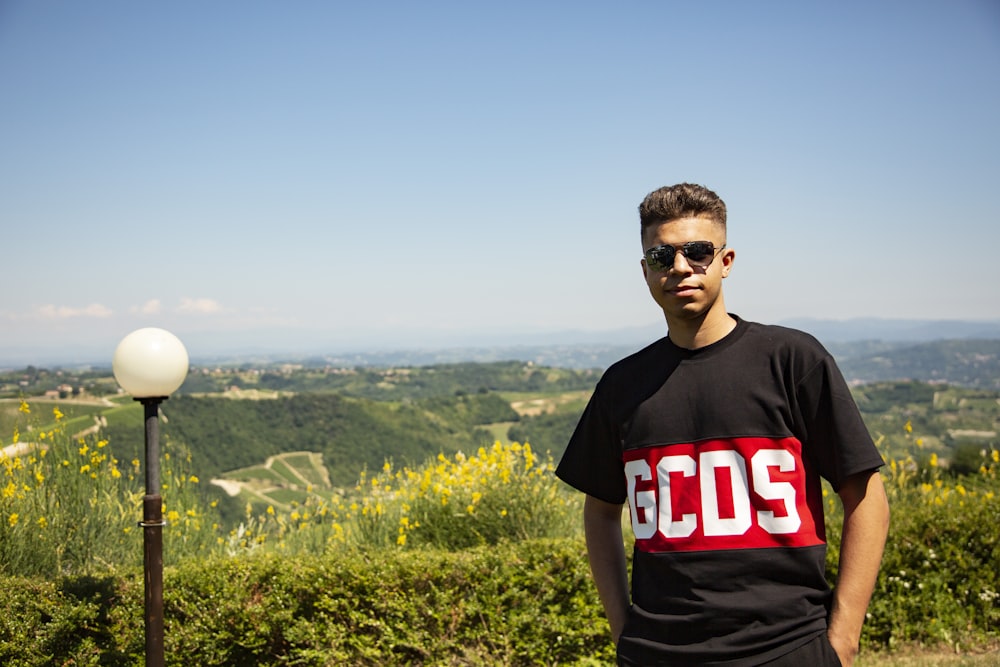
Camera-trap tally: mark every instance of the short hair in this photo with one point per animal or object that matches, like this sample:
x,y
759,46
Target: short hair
x,y
680,201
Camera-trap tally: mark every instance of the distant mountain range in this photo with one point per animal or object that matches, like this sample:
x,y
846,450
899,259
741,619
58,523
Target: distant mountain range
x,y
960,353
569,349
838,331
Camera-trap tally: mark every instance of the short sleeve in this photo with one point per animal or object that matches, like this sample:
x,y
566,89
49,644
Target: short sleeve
x,y
592,462
835,436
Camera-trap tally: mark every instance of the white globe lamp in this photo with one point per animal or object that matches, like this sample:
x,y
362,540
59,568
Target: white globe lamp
x,y
150,363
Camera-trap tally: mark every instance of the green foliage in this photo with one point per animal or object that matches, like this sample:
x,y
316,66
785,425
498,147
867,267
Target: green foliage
x,y
939,583
396,382
511,604
70,506
470,410
74,621
884,396
352,434
916,419
969,459
501,493
549,432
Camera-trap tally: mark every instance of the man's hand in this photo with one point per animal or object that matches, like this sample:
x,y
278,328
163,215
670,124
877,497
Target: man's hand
x,y
866,525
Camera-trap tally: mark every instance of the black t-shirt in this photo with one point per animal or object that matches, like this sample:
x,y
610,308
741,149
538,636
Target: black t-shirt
x,y
719,453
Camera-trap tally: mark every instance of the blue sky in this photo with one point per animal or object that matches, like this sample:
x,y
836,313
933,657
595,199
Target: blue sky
x,y
337,176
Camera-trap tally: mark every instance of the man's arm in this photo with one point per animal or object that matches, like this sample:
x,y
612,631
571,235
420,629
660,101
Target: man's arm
x,y
602,524
866,525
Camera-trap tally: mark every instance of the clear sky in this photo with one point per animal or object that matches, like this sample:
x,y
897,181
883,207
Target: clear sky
x,y
339,176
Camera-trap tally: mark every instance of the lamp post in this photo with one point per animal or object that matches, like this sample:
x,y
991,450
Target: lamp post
x,y
150,364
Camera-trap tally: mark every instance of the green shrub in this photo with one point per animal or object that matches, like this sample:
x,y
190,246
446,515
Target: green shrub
x,y
513,604
939,582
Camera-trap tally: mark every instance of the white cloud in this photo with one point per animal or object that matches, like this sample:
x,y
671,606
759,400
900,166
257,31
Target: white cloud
x,y
151,307
201,306
52,312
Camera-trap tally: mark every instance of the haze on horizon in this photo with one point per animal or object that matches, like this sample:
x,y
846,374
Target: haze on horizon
x,y
256,174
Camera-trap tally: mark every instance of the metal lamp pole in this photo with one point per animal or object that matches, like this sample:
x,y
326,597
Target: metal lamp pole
x,y
150,364
152,535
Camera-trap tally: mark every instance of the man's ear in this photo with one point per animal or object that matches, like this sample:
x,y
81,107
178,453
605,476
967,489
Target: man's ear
x,y
645,269
728,257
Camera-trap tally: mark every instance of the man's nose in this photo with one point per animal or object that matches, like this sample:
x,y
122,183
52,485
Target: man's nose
x,y
681,264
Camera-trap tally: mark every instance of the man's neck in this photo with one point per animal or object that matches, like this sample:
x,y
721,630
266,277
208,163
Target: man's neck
x,y
702,332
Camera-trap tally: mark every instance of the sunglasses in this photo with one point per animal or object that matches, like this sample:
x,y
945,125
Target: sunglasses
x,y
699,254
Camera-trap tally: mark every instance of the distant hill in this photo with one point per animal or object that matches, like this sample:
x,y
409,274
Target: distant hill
x,y
965,363
913,331
871,349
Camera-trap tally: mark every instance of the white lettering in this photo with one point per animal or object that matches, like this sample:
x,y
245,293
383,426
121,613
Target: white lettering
x,y
643,501
770,490
737,466
686,466
652,510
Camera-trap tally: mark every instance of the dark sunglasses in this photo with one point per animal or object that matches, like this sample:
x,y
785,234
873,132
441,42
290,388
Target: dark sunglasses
x,y
697,253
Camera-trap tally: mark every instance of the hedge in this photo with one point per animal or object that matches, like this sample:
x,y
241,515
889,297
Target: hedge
x,y
532,603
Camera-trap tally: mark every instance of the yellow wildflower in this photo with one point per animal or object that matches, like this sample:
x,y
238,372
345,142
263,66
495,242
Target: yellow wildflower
x,y
12,519
24,408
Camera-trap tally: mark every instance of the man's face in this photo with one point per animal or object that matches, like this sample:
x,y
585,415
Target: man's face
x,y
685,291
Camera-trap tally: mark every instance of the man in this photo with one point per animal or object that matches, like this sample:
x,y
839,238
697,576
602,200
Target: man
x,y
717,436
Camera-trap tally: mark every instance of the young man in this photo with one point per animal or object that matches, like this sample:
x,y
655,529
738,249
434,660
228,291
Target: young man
x,y
717,436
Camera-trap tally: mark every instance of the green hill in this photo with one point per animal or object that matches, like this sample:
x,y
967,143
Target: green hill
x,y
351,433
